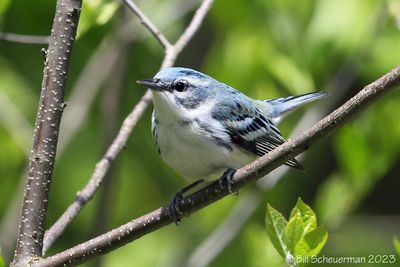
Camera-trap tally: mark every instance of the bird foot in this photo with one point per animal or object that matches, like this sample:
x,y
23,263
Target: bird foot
x,y
173,208
226,181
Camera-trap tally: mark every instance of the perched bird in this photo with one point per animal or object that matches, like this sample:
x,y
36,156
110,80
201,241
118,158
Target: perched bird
x,y
203,127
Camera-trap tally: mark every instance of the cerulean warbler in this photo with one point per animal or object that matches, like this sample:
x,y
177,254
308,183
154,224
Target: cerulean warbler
x,y
202,127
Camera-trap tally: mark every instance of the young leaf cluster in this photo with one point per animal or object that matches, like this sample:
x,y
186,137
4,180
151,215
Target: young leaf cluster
x,y
298,238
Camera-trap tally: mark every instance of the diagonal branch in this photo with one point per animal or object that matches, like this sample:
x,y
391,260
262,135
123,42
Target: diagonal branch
x,y
244,176
119,142
146,22
194,25
172,52
48,118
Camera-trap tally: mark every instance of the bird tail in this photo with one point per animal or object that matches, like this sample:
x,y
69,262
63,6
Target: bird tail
x,y
280,107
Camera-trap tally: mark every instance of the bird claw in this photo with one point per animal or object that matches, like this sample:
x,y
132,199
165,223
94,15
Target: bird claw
x,y
173,209
227,181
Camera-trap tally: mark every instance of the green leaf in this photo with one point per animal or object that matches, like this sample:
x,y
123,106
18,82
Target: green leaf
x,y
294,231
307,215
312,243
396,243
1,262
276,224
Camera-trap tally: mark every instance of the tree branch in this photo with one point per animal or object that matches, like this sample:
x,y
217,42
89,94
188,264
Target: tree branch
x,y
146,22
255,170
119,142
172,52
42,158
24,39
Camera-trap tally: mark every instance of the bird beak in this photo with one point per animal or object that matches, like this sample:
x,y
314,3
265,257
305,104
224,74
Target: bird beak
x,y
150,83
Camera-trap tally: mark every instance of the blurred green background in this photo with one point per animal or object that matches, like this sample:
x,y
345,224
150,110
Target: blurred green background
x,y
265,48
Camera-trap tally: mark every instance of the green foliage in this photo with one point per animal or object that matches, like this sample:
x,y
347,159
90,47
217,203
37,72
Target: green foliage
x,y
298,238
2,264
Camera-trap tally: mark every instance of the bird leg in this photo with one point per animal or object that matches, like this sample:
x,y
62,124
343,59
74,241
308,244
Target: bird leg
x,y
173,207
226,180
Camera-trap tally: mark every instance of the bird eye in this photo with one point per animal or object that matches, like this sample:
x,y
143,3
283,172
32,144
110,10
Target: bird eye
x,y
180,86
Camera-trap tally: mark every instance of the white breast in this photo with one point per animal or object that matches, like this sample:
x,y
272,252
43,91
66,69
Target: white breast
x,y
192,142
198,152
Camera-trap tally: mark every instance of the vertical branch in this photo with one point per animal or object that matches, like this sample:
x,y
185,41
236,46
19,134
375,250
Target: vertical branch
x,y
42,157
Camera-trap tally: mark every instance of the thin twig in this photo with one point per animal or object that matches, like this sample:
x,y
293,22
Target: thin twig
x,y
173,51
244,176
146,22
23,38
119,142
194,25
42,158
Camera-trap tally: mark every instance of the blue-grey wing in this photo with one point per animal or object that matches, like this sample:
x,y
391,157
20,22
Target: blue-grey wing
x,y
249,128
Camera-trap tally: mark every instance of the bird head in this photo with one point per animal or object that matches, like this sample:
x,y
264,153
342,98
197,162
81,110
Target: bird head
x,y
180,89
